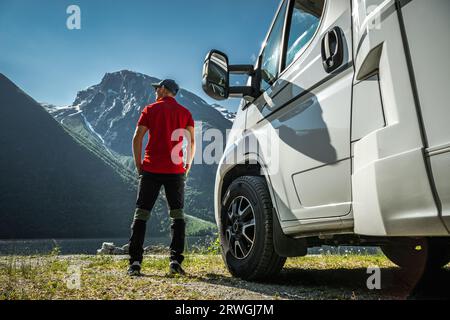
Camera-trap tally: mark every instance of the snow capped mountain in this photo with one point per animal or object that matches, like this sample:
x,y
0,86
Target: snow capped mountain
x,y
227,114
111,108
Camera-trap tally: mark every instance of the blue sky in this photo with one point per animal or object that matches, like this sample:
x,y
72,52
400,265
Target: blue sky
x,y
165,39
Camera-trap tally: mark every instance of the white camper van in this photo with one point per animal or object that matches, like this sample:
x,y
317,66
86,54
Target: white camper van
x,y
353,97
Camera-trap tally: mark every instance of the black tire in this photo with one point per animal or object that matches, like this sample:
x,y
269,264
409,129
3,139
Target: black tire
x,y
423,253
261,261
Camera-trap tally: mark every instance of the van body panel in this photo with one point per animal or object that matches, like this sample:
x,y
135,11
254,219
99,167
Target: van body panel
x,y
392,194
440,162
429,45
324,197
367,111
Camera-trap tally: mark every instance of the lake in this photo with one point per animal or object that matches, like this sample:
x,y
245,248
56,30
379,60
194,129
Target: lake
x,y
82,246
90,246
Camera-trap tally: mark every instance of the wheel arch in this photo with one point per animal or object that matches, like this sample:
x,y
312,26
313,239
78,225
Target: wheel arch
x,y
252,165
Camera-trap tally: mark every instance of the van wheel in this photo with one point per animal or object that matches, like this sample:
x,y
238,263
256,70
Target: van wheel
x,y
246,230
425,253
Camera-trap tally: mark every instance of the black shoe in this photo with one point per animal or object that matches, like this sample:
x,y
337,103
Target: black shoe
x,y
134,270
175,268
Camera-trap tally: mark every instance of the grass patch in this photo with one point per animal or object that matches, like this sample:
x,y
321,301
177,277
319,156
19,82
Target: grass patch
x,y
198,227
104,277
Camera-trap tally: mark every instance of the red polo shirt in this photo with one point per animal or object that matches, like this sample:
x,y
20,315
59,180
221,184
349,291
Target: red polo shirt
x,y
162,118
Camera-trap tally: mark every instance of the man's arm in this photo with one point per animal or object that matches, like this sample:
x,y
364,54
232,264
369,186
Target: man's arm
x,y
137,146
191,153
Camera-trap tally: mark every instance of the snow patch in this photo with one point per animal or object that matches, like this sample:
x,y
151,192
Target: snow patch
x,y
92,129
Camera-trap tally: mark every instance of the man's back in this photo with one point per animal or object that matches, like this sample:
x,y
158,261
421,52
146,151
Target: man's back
x,y
166,122
163,118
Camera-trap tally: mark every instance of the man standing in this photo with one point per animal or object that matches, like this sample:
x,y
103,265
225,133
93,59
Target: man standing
x,y
167,123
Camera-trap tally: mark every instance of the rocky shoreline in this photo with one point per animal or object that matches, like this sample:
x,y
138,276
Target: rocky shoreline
x,y
109,248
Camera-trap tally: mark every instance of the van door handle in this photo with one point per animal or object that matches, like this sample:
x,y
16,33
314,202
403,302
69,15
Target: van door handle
x,y
332,49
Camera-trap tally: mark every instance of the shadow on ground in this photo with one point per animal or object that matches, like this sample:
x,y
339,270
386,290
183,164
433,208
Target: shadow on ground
x,y
293,283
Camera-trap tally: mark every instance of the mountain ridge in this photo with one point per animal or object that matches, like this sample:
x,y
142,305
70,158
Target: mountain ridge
x,y
39,157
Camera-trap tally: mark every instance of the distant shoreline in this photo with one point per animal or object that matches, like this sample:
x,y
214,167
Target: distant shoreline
x,y
90,246
82,246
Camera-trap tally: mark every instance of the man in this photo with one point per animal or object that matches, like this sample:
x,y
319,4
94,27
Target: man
x,y
162,166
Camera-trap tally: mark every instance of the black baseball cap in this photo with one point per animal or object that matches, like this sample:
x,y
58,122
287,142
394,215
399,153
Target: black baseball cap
x,y
169,84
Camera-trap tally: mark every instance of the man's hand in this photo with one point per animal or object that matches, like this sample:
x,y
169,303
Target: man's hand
x,y
187,167
139,169
191,148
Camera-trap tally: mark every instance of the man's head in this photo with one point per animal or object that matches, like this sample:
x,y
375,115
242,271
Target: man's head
x,y
166,88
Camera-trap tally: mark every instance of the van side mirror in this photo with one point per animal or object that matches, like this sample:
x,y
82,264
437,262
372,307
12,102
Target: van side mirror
x,y
216,78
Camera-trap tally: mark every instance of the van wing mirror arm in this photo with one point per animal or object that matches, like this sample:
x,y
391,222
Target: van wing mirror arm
x,y
241,69
248,92
241,91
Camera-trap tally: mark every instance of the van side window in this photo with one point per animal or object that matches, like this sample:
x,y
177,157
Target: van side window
x,y
305,20
272,52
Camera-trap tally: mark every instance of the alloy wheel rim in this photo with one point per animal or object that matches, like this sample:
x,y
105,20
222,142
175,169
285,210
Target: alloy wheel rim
x,y
240,227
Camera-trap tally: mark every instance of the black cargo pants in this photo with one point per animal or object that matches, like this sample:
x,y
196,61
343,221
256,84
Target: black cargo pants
x,y
148,191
